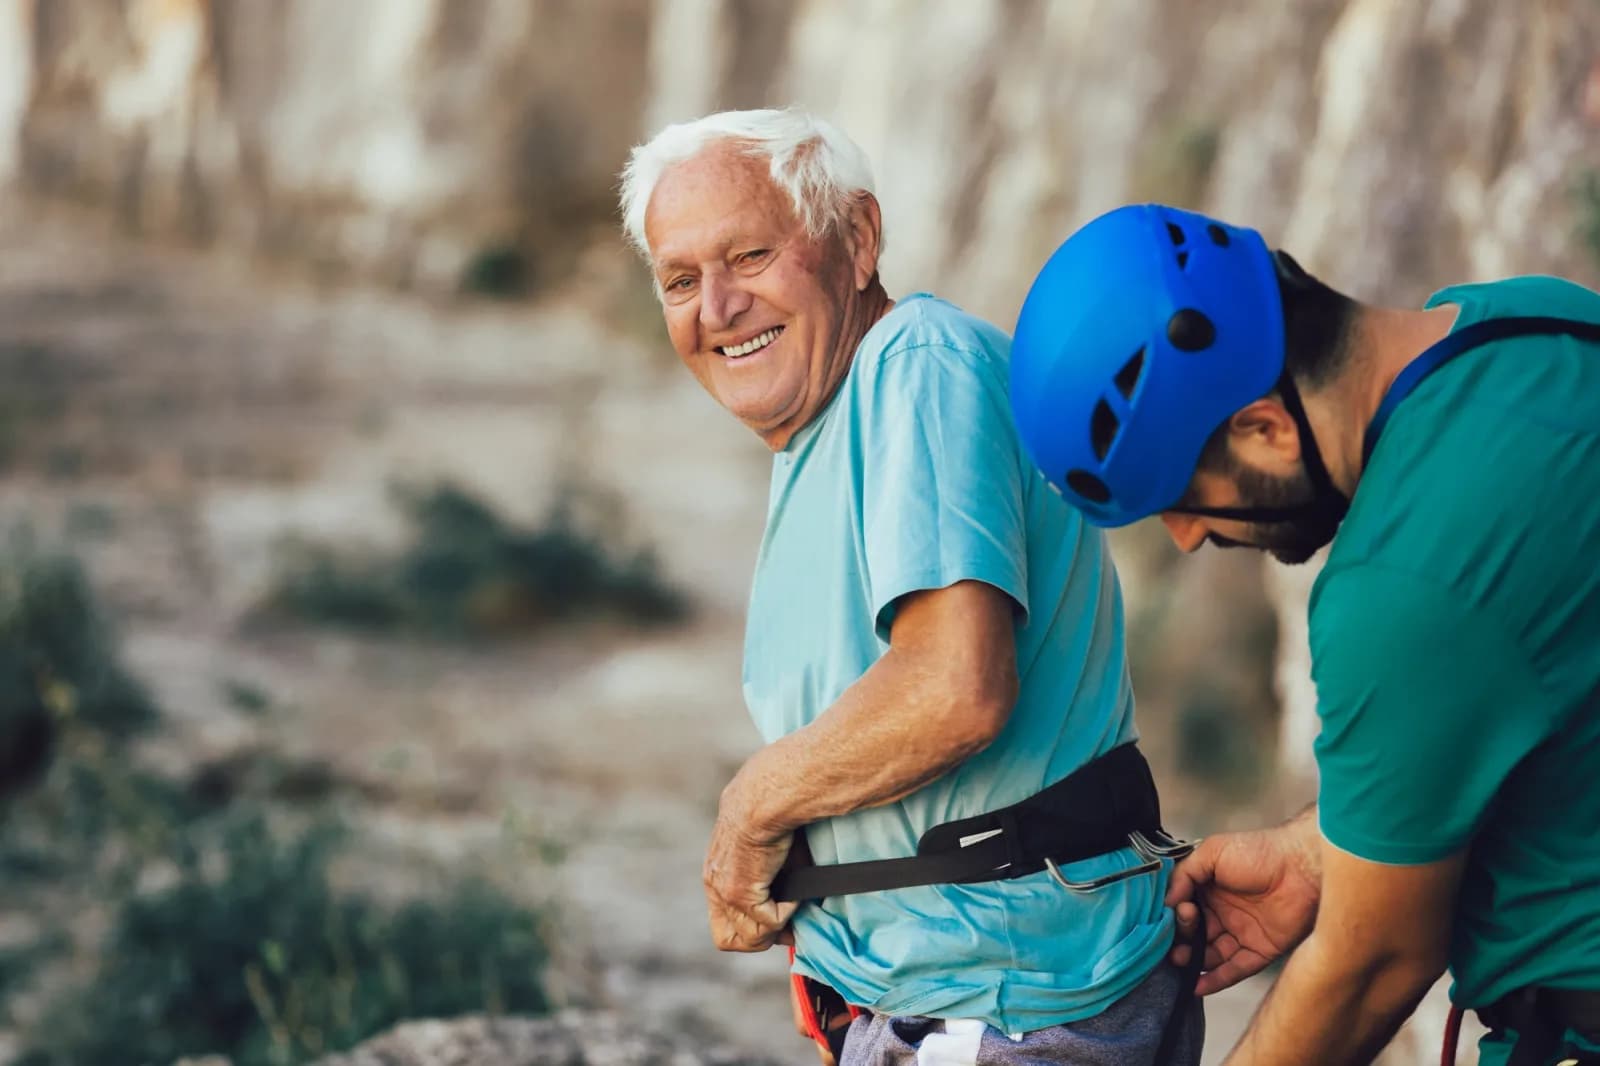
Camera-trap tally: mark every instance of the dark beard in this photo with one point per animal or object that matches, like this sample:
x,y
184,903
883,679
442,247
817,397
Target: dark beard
x,y
1292,541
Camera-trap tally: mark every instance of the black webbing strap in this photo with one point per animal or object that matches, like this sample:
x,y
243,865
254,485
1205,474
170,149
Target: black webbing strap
x,y
1089,812
1188,980
1460,342
1540,1018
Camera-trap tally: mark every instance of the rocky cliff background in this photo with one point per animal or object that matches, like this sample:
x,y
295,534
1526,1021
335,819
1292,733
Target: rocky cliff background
x,y
265,262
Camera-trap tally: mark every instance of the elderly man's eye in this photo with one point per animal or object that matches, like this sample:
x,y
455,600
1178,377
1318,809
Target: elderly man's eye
x,y
679,284
755,255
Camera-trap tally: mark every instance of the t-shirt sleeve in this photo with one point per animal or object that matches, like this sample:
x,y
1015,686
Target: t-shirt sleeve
x,y
1427,704
942,481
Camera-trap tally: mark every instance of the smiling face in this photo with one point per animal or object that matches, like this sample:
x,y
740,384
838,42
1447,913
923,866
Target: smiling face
x,y
765,316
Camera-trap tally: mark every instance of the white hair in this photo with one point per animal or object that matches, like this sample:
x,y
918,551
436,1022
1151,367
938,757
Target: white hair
x,y
813,161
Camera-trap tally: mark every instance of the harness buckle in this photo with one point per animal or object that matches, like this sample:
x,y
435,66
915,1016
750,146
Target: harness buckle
x,y
1152,849
1160,844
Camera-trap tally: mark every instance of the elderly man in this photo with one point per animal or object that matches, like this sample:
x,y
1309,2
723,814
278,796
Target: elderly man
x,y
934,652
1171,364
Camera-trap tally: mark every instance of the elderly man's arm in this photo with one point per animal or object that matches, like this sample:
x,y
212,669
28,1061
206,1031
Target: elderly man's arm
x,y
1380,941
940,693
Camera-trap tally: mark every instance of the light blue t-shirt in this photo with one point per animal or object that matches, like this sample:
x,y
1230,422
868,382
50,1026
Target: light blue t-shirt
x,y
913,478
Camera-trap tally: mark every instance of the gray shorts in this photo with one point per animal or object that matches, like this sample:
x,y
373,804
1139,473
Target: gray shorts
x,y
1127,1033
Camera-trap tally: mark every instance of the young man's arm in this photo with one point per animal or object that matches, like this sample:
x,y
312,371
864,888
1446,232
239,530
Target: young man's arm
x,y
1427,703
1258,892
1381,940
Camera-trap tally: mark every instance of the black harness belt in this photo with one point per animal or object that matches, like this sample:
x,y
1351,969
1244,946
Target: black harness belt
x,y
1540,1018
1104,806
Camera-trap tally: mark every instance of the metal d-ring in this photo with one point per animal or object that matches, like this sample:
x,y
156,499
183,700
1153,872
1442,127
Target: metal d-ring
x,y
1151,853
1159,844
1148,866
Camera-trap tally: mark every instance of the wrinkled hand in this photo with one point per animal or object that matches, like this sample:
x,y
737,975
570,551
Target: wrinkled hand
x,y
1259,892
740,866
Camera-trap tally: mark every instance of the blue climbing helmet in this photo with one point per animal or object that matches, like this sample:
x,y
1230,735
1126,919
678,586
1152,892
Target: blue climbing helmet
x,y
1141,335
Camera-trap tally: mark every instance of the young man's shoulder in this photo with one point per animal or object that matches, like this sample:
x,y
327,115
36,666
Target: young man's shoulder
x,y
1489,448
1529,294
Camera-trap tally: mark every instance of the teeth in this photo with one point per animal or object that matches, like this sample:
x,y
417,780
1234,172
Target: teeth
x,y
754,344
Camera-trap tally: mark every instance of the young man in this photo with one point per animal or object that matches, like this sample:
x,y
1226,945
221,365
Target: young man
x,y
1168,364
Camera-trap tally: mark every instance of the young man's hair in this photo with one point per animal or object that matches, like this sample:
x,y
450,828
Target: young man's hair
x,y
1316,343
1316,325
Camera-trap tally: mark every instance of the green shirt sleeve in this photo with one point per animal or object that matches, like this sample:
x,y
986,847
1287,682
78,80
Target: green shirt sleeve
x,y
1427,704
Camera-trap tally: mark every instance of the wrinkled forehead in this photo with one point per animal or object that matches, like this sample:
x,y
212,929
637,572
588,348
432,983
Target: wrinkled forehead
x,y
714,199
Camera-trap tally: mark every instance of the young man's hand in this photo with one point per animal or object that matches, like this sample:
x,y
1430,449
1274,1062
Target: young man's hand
x,y
1259,893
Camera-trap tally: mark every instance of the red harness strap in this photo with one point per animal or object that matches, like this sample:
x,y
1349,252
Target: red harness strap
x,y
826,1015
1452,1037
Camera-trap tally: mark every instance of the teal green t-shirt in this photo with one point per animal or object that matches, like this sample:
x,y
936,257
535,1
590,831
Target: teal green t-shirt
x,y
913,478
1455,639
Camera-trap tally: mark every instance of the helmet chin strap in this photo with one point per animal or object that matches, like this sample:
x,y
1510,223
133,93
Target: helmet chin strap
x,y
1326,500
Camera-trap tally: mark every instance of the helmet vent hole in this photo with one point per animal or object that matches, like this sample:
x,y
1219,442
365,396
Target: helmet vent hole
x,y
1127,378
1103,428
1183,260
1218,235
1088,486
1190,330
1175,232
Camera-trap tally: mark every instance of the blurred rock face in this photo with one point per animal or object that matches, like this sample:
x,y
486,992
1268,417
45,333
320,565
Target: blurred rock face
x,y
1394,147
397,138
1386,142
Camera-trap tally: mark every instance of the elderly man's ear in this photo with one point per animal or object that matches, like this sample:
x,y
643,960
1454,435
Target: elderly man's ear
x,y
862,237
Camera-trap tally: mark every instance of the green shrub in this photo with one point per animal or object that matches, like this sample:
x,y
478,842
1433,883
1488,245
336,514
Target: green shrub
x,y
19,963
246,696
224,936
1586,194
1217,745
265,962
59,665
1175,161
319,584
502,271
465,571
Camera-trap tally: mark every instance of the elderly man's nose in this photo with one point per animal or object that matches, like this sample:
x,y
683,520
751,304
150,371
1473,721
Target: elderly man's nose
x,y
721,302
1187,531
